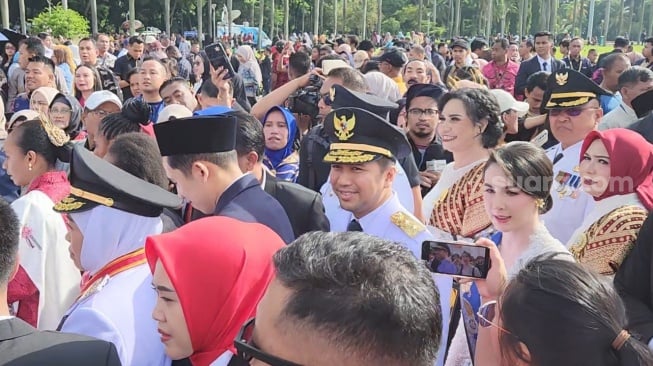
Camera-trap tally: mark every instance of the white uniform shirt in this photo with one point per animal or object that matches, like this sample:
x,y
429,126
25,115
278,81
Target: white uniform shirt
x,y
570,203
379,223
120,311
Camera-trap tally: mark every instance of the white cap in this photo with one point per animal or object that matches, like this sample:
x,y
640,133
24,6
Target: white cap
x,y
328,65
149,39
100,97
507,102
359,58
173,111
27,113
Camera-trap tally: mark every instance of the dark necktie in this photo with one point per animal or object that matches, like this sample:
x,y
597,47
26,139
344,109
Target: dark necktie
x,y
544,65
354,225
557,158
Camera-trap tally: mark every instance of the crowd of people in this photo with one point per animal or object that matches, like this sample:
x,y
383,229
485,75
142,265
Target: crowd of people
x,y
307,203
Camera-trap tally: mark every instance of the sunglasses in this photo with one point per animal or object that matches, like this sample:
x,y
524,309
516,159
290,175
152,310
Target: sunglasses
x,y
571,112
326,98
248,350
486,312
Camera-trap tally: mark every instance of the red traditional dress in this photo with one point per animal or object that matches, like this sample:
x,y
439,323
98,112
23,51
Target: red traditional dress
x,y
47,281
608,233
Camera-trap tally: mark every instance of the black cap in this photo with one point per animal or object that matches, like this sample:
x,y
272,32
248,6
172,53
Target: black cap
x,y
97,182
342,97
358,136
643,104
394,56
424,90
569,88
460,43
196,135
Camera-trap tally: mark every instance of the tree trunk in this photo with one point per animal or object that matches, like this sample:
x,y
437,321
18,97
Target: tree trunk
x,y
4,11
321,27
64,4
553,16
209,21
335,16
316,17
286,18
590,22
132,16
606,21
261,16
457,30
344,16
490,18
420,10
620,20
365,19
631,18
166,15
94,18
573,18
434,15
641,19
21,10
379,17
272,20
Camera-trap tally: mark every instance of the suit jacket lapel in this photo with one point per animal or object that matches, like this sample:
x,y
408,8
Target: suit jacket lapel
x,y
14,328
270,184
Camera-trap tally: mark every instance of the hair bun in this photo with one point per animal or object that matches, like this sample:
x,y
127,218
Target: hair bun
x,y
136,111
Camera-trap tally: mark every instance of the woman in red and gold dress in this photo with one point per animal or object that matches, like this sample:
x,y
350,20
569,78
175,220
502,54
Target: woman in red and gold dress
x,y
616,167
47,281
469,127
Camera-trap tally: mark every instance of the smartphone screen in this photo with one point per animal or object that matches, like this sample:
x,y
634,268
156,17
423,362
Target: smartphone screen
x,y
456,259
218,58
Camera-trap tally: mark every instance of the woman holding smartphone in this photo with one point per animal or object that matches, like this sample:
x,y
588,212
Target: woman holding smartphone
x,y
516,192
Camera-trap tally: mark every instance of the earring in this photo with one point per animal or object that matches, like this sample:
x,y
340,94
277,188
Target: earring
x,y
539,203
29,167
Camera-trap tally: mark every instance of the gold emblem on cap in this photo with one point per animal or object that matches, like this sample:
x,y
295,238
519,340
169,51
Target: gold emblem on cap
x,y
561,78
344,127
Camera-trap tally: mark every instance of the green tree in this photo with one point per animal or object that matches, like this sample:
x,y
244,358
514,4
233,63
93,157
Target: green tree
x,y
61,22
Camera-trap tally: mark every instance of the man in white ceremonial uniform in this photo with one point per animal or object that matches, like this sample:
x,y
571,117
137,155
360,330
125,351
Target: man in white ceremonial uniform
x,y
574,111
363,156
340,97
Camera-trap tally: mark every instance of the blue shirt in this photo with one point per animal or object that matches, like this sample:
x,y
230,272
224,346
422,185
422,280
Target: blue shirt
x,y
609,102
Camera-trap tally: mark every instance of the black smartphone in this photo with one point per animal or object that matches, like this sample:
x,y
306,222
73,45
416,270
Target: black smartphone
x,y
218,58
456,259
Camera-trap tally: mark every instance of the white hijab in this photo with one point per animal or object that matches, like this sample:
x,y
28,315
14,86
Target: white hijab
x,y
247,54
110,233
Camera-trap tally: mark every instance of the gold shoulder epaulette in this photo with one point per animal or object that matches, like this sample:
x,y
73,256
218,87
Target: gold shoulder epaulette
x,y
407,223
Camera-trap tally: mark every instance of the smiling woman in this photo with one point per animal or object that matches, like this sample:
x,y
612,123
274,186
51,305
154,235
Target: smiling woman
x,y
623,193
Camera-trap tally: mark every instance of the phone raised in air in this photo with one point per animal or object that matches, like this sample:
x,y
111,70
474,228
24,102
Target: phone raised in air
x,y
456,259
218,58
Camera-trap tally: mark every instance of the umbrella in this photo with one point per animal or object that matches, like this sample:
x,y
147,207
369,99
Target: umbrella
x,y
11,36
137,24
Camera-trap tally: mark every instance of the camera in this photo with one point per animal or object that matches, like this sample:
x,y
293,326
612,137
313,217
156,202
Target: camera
x,y
304,101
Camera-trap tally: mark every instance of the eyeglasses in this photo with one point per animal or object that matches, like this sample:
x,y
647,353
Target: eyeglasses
x,y
100,112
248,351
326,98
429,112
571,112
488,311
62,111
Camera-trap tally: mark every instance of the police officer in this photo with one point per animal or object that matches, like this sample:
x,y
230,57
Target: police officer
x,y
574,109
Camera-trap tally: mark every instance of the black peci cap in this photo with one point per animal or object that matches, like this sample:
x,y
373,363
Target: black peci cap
x,y
569,88
342,97
643,104
196,135
97,182
394,56
358,136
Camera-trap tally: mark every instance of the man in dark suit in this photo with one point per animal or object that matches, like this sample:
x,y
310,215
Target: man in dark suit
x,y
20,343
200,158
303,206
543,61
620,45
